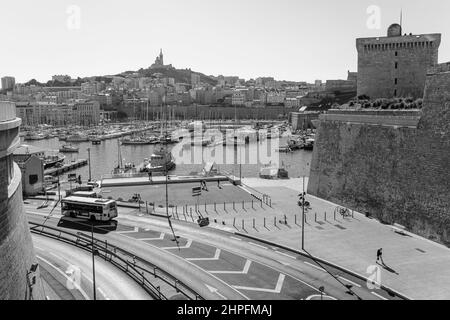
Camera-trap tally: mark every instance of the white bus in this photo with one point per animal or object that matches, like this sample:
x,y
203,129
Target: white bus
x,y
89,208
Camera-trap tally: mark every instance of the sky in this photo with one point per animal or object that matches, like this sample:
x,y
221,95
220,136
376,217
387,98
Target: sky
x,y
298,40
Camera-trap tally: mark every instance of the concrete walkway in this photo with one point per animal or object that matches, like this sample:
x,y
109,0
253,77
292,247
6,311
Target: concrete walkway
x,y
417,267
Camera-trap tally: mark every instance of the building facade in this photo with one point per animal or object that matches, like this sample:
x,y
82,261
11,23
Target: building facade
x,y
8,83
16,248
86,113
396,65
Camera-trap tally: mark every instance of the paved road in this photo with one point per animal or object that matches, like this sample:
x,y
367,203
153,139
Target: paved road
x,y
58,260
221,265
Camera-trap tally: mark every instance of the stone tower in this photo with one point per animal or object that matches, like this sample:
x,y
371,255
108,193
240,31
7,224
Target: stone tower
x,y
16,249
395,65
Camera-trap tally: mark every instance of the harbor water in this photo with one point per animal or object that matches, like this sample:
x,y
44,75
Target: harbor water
x,y
104,157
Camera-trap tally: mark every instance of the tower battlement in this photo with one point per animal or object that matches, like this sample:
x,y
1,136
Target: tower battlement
x,y
395,65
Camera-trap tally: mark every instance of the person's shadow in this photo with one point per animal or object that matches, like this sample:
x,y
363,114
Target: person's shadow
x,y
387,268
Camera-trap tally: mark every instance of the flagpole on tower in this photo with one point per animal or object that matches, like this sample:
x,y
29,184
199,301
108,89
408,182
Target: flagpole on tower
x,y
401,18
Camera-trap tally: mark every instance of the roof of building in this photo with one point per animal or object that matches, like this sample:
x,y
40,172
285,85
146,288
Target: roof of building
x,y
27,149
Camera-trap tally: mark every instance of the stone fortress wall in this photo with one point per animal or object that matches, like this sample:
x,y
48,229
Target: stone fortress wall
x,y
398,171
396,65
16,248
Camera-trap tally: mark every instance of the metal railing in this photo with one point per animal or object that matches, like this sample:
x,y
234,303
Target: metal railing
x,y
139,269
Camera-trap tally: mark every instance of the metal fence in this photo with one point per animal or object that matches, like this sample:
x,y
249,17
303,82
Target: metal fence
x,y
139,269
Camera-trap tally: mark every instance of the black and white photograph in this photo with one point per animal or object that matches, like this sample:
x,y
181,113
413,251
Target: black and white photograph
x,y
225,156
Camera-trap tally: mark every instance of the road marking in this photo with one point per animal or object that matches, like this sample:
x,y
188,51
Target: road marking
x,y
236,238
103,293
83,293
187,246
257,245
208,272
318,268
216,257
161,237
353,283
97,288
136,229
377,295
286,255
214,290
277,289
245,271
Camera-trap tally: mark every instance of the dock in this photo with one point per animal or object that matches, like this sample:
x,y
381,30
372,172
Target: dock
x,y
158,180
66,167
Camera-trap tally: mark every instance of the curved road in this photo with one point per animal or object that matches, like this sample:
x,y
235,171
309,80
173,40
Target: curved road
x,y
58,261
218,264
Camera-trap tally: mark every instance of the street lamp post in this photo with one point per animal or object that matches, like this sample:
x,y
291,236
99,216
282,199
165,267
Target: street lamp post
x,y
93,262
303,215
89,155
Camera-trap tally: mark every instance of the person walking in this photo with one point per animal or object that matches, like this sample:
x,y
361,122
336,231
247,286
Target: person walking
x,y
380,255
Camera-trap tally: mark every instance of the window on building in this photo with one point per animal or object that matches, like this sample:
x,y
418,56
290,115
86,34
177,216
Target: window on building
x,y
395,92
396,65
33,179
396,53
396,81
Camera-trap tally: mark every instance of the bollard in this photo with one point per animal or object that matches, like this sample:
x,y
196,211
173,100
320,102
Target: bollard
x,y
243,224
243,205
205,207
325,216
295,219
285,220
234,222
315,216
335,215
146,206
224,208
254,223
234,207
264,222
270,202
252,204
275,221
215,209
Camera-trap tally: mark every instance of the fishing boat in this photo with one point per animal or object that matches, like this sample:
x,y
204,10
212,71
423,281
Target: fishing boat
x,y
96,141
53,160
295,144
284,149
36,136
160,161
167,139
77,138
309,144
68,149
138,141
